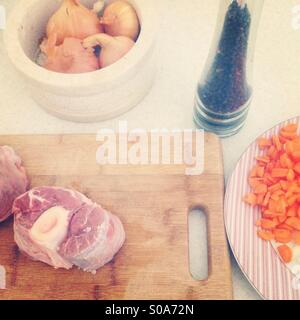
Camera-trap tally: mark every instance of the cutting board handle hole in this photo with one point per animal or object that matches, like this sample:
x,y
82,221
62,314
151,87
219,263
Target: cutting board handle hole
x,y
198,244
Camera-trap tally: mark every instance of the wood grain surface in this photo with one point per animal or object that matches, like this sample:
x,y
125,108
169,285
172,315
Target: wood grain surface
x,y
153,203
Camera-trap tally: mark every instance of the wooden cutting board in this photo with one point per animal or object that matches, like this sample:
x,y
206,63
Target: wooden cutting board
x,y
152,201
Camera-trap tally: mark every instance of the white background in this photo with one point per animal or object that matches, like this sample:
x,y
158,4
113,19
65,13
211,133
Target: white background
x,y
185,34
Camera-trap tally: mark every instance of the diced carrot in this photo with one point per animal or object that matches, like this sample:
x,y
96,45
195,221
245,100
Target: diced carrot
x,y
260,199
273,205
271,214
270,166
253,173
282,235
288,135
267,224
265,235
283,140
268,179
294,222
275,187
264,160
275,181
253,182
285,227
285,161
277,143
281,205
286,253
277,163
266,199
292,127
277,195
261,188
273,153
258,223
292,211
260,171
284,185
264,143
279,173
250,198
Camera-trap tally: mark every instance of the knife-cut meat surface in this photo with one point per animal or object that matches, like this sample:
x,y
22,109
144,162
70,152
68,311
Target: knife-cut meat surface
x,y
13,180
64,228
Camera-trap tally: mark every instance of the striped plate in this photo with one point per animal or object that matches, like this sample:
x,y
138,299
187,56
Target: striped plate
x,y
258,259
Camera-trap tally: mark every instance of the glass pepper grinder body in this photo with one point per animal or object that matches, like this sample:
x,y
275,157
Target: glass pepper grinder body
x,y
225,90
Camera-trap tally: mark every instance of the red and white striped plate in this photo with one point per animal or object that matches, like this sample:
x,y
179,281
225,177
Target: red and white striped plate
x,y
258,259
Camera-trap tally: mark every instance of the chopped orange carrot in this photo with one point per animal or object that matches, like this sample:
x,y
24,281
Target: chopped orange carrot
x,y
285,253
283,140
285,161
282,235
275,188
294,222
258,223
285,227
266,199
277,195
250,198
271,214
263,160
253,173
284,185
273,205
267,224
289,147
269,167
253,182
288,135
281,205
260,199
277,143
261,188
292,200
279,173
264,143
265,235
290,127
260,171
268,180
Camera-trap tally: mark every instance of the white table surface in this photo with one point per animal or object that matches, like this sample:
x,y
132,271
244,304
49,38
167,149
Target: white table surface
x,y
186,33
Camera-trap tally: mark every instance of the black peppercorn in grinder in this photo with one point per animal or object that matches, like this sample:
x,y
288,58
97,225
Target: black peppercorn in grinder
x,y
225,90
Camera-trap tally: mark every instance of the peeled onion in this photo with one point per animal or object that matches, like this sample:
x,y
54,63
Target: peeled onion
x,y
120,19
112,48
69,57
73,20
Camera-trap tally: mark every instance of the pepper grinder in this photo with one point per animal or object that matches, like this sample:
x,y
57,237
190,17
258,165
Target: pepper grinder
x,y
225,89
